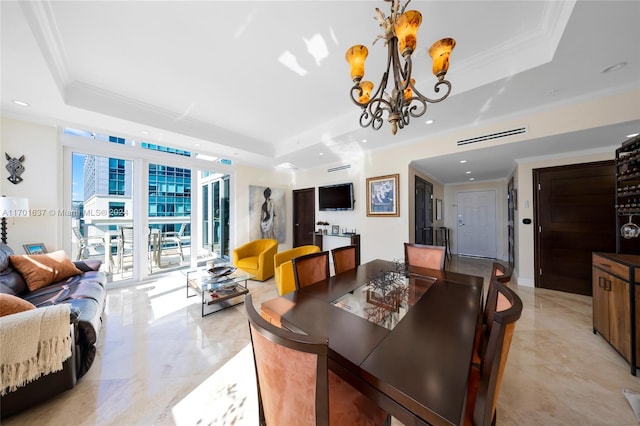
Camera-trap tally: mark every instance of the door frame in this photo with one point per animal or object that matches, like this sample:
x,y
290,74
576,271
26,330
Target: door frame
x,y
428,210
307,220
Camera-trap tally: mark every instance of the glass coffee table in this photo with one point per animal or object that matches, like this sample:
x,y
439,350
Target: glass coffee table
x,y
220,289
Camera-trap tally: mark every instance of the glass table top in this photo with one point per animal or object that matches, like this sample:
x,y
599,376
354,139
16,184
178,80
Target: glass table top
x,y
386,299
222,282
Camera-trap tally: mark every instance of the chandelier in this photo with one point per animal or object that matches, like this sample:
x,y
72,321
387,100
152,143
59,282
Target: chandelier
x,y
404,101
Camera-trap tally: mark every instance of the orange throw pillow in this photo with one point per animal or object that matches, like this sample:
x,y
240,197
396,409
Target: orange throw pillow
x,y
40,270
10,304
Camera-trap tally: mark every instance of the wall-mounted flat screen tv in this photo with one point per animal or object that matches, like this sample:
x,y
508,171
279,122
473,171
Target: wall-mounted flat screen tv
x,y
336,197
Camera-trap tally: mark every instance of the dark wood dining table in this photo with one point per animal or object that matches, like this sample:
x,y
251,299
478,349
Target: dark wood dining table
x,y
417,369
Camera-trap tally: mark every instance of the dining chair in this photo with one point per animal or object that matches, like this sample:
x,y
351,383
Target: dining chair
x,y
125,246
283,267
295,385
485,381
311,268
85,245
424,256
174,240
344,258
501,274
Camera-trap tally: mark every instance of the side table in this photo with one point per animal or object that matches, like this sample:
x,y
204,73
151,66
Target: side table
x,y
217,293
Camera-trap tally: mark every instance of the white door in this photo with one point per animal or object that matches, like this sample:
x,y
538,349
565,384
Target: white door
x,y
477,223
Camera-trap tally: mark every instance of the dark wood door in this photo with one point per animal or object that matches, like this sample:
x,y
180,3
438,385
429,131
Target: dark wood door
x,y
424,212
304,216
575,216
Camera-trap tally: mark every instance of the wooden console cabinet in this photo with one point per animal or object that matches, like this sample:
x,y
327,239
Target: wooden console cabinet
x,y
616,297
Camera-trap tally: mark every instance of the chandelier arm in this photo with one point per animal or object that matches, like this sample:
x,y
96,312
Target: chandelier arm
x,y
414,110
373,113
436,89
400,80
380,90
406,72
357,89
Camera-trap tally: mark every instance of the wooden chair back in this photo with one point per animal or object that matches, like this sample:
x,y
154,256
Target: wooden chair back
x,y
344,258
311,268
280,354
501,274
485,383
424,256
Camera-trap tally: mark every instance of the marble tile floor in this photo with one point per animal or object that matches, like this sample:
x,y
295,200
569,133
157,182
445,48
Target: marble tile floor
x,y
156,352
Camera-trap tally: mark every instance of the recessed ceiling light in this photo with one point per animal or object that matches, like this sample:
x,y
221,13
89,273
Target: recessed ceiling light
x,y
612,68
206,157
463,161
430,121
286,165
322,153
472,178
364,141
21,103
197,144
633,135
144,132
468,172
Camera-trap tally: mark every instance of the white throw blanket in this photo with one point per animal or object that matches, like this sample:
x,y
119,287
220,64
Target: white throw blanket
x,y
32,344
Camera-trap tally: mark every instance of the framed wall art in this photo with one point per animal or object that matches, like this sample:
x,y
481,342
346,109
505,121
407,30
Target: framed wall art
x,y
438,209
35,248
267,213
383,196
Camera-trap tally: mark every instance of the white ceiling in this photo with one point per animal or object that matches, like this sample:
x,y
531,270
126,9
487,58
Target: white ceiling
x,y
206,75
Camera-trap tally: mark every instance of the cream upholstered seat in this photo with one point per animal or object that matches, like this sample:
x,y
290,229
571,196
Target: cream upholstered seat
x,y
424,256
256,258
283,267
295,385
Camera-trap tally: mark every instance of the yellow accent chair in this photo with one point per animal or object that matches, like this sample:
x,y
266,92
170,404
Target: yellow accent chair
x,y
285,281
256,258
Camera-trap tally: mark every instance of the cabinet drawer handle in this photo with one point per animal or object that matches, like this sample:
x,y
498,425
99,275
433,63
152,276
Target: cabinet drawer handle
x,y
605,265
601,282
607,285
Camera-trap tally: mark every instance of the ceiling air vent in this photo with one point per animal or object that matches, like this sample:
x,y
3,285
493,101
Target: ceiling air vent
x,y
335,169
497,135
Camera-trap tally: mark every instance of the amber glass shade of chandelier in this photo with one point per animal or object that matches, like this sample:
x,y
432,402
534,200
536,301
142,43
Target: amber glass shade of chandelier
x,y
366,87
406,28
440,52
356,56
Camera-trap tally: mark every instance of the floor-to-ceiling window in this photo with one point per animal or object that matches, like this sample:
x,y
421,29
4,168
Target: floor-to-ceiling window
x,y
103,211
169,212
133,210
215,213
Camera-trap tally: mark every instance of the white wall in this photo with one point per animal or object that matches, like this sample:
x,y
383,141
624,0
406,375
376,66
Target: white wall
x,y
381,237
251,176
41,182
